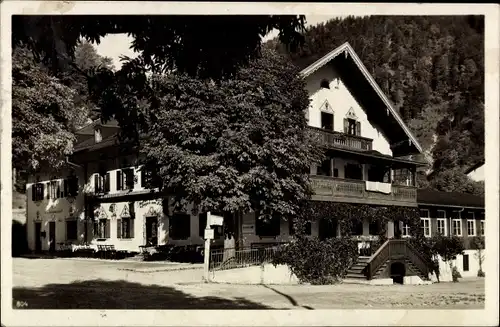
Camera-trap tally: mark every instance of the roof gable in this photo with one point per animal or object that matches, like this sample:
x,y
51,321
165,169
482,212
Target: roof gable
x,y
346,50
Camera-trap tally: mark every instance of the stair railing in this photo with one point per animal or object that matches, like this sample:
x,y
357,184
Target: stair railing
x,y
377,260
395,249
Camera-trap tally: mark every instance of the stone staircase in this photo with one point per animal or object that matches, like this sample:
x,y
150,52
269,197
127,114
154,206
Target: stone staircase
x,y
356,271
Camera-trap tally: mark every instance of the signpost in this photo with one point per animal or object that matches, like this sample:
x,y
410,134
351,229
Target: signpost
x,y
212,220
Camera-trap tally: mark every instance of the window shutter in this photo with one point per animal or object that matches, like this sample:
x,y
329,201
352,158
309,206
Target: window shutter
x,y
119,228
33,192
42,191
202,223
96,183
65,188
358,128
96,228
131,209
48,190
346,126
143,177
118,180
107,229
131,227
107,181
130,178
291,230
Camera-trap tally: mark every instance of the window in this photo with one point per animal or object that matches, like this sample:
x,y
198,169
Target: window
x,y
325,168
125,228
267,225
291,230
352,127
327,228
466,262
457,227
471,228
327,121
54,190
102,183
404,177
424,213
470,215
405,230
180,226
37,191
71,230
426,226
101,228
325,84
203,224
357,228
481,228
374,228
71,186
441,226
125,179
353,171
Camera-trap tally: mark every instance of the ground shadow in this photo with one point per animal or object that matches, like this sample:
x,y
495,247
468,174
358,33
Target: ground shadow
x,y
102,294
289,298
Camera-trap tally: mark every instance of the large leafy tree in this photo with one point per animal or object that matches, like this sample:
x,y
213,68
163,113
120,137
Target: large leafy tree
x,y
233,145
207,45
44,116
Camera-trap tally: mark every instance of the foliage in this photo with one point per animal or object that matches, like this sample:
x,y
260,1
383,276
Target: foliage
x,y
318,262
431,67
43,115
46,110
455,274
236,144
477,243
454,180
447,247
197,45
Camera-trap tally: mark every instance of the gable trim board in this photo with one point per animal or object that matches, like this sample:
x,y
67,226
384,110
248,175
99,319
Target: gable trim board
x,y
347,50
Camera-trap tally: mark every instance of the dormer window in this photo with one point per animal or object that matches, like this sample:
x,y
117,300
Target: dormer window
x,y
325,84
352,127
97,135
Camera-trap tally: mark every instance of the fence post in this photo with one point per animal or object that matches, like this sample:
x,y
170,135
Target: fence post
x,y
207,260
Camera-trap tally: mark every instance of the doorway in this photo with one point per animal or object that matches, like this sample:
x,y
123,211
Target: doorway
x,y
38,237
398,233
398,272
152,231
52,236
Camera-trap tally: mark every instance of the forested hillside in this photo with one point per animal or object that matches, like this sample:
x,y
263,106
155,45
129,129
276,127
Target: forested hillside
x,y
432,68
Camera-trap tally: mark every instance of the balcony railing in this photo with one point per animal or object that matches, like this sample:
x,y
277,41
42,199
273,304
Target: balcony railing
x,y
354,191
330,139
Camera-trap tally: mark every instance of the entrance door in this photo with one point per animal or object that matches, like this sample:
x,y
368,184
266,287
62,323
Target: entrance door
x,y
152,231
38,237
397,229
52,236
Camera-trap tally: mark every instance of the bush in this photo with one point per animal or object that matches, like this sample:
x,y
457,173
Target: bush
x,y
455,274
318,262
480,273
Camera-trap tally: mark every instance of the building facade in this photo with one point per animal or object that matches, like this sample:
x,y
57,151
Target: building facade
x,y
105,197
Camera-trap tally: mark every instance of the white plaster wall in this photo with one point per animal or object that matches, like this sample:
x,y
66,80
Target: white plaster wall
x,y
57,210
341,100
445,270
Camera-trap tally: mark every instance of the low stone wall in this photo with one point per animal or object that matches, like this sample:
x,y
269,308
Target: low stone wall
x,y
266,274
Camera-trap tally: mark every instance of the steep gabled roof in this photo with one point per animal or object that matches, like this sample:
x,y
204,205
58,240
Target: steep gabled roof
x,y
348,51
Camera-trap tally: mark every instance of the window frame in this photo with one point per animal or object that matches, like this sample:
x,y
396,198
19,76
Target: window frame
x,y
428,220
453,221
445,226
473,221
405,230
99,223
481,227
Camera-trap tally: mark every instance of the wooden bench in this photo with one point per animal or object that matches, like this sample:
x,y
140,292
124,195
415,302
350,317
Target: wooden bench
x,y
106,251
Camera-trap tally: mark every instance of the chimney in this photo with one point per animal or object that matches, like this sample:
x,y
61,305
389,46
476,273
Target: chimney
x,y
97,134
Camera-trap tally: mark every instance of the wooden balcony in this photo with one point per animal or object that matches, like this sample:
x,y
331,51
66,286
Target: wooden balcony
x,y
336,140
354,191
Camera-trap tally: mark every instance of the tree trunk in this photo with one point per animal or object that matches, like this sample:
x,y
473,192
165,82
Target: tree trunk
x,y
229,238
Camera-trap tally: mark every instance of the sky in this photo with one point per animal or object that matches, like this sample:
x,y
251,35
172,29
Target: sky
x,y
116,45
